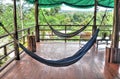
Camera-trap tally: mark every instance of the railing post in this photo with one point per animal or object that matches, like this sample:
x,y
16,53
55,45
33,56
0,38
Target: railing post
x,y
65,33
116,25
95,15
5,51
16,33
28,31
23,39
36,22
39,32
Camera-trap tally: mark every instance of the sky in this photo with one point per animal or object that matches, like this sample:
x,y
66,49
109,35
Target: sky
x,y
7,1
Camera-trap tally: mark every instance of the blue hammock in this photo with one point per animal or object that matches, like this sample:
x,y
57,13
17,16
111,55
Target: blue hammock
x,y
65,61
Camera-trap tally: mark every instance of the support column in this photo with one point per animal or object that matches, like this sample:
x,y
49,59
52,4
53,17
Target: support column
x,y
36,22
116,25
114,53
16,33
94,21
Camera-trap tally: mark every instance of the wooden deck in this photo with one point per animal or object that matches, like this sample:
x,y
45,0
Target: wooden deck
x,y
91,66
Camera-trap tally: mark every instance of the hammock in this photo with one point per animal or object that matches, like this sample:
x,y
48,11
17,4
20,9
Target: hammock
x,y
65,61
69,34
63,35
62,62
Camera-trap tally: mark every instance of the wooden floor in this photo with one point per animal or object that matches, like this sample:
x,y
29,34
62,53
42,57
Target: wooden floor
x,y
91,66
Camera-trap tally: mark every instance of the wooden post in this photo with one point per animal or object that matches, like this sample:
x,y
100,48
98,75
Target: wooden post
x,y
115,56
28,31
95,15
114,49
107,55
23,39
31,43
16,33
5,50
36,22
116,25
65,33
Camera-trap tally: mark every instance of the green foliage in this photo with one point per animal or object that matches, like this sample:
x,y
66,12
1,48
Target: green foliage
x,y
6,17
55,16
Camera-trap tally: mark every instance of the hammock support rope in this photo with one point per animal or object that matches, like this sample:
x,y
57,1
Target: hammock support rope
x,y
64,35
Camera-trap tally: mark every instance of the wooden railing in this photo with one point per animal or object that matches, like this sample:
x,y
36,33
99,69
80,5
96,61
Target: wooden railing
x,y
47,34
6,52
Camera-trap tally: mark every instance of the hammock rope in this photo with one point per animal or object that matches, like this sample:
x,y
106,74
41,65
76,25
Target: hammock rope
x,y
103,17
64,35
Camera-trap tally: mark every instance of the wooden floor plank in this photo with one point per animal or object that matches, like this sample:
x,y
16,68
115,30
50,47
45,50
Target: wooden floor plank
x,y
91,66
